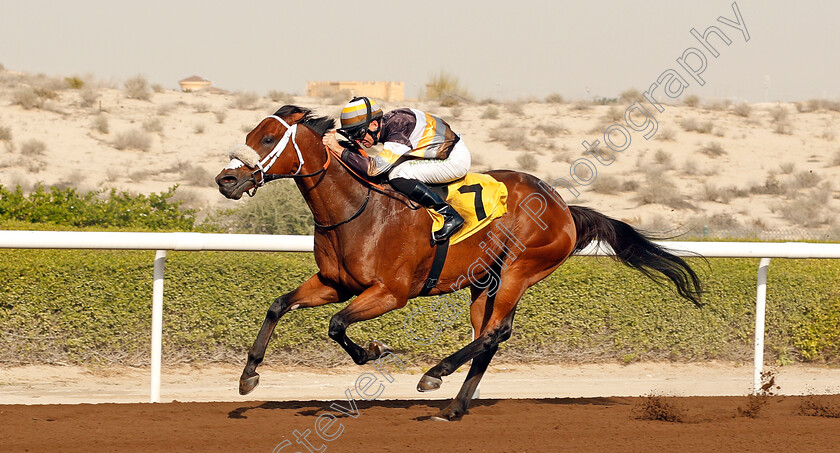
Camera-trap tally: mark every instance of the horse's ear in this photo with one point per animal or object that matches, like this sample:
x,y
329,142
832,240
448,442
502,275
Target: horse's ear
x,y
296,117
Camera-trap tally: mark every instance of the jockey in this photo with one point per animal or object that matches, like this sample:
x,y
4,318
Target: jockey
x,y
417,149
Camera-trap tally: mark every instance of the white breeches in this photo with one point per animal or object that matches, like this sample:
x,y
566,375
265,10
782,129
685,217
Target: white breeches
x,y
435,171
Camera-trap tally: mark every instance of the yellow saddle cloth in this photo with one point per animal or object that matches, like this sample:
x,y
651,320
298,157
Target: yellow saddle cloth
x,y
479,198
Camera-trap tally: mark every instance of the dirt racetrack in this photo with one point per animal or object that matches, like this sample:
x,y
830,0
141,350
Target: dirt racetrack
x,y
743,423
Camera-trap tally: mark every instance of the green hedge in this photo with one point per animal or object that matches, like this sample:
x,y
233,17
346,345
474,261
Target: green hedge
x,y
64,306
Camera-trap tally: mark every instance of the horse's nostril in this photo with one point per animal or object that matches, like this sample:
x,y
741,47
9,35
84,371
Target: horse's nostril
x,y
227,180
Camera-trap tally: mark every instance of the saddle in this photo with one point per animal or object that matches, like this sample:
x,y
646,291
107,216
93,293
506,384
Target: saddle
x,y
479,198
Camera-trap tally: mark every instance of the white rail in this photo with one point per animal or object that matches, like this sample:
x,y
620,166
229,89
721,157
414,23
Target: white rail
x,y
161,242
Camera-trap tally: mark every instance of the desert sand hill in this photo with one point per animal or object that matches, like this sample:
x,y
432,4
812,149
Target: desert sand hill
x,y
759,167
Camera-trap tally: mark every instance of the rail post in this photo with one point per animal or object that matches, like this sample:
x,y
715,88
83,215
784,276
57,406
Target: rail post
x,y
760,304
157,323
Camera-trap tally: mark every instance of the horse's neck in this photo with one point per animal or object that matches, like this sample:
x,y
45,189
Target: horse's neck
x,y
334,195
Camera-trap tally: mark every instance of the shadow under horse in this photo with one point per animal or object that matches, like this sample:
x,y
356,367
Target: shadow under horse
x,y
373,244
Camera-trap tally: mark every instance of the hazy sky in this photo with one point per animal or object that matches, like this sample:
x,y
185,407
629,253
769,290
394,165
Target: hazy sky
x,y
501,49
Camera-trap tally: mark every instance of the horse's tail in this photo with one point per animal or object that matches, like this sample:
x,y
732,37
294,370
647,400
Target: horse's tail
x,y
635,250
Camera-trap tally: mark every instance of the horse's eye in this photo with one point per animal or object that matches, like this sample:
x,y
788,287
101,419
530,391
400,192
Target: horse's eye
x,y
267,140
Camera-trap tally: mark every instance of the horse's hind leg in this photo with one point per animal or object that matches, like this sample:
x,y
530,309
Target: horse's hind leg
x,y
312,293
480,311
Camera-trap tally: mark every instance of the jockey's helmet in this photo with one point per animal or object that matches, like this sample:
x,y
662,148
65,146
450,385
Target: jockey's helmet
x,y
356,117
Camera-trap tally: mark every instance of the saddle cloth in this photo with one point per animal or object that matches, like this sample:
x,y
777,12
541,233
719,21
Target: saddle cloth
x,y
479,198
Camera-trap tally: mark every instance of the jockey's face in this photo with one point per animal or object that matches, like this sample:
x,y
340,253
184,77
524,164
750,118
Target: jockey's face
x,y
367,141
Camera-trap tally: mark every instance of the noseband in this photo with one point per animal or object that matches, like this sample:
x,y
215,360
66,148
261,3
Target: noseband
x,y
243,155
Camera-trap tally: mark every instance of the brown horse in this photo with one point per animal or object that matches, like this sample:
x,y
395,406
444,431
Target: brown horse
x,y
373,244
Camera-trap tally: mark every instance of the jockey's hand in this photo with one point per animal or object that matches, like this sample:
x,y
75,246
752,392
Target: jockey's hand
x,y
330,142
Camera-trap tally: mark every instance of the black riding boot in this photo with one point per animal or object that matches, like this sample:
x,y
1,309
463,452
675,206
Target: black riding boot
x,y
421,194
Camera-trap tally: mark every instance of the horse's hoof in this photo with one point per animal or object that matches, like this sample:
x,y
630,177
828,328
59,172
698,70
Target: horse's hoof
x,y
429,383
247,385
379,348
447,415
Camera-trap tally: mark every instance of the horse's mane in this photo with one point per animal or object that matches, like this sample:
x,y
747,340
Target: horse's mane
x,y
319,124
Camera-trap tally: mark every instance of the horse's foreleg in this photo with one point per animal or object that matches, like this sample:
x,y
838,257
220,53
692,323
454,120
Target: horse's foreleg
x,y
373,302
312,293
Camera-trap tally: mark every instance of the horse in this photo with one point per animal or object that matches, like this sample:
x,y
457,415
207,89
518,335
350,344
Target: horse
x,y
371,243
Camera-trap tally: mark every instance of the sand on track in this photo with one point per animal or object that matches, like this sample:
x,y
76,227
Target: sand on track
x,y
35,384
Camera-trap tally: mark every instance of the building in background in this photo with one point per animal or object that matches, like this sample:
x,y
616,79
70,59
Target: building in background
x,y
194,83
384,91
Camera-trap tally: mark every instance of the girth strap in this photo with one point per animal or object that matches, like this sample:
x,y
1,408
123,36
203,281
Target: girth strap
x,y
437,266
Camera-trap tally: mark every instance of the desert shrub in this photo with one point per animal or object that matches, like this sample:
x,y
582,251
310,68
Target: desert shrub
x,y
712,149
133,139
221,115
779,113
446,88
743,109
780,120
835,160
5,134
661,157
581,105
808,209
552,130
692,100
201,107
527,161
805,180
165,109
196,175
613,115
828,134
100,124
277,208
515,108
245,100
281,97
690,167
666,134
787,167
137,87
74,82
153,125
693,125
33,147
512,137
771,186
199,128
658,189
27,98
112,174
490,113
719,105
710,192
812,105
554,98
139,175
158,88
88,96
630,96
607,184
784,127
